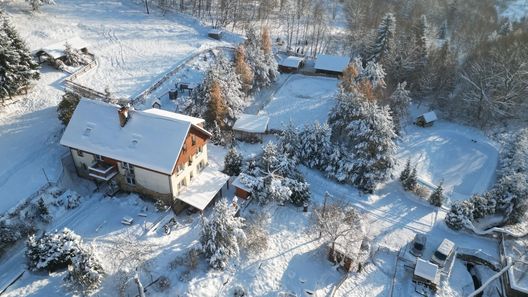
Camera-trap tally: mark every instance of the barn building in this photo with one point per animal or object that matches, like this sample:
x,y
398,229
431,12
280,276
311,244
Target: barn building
x,y
291,64
251,128
427,119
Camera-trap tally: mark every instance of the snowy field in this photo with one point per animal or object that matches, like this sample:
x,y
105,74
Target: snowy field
x,y
516,10
131,47
301,99
464,159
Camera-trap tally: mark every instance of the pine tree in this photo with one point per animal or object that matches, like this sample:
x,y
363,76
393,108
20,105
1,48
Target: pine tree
x,y
411,182
421,42
315,145
442,32
399,103
382,49
67,106
437,197
289,142
269,160
36,4
222,235
349,77
27,66
404,175
232,162
243,69
263,63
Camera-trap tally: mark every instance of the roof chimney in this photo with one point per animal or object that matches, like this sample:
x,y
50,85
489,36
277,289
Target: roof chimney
x,y
123,115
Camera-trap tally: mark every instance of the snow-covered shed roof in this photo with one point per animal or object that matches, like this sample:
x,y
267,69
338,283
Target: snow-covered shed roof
x,y
176,116
238,183
56,50
251,123
148,139
426,270
331,63
215,31
349,246
204,188
429,116
291,61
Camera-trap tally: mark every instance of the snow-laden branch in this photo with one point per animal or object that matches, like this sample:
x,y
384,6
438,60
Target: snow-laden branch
x,y
509,263
468,224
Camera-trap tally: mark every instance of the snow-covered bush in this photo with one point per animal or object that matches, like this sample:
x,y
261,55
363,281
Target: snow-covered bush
x,y
67,106
36,4
85,273
437,197
256,234
163,283
239,291
232,162
52,251
459,213
73,57
422,191
221,235
11,231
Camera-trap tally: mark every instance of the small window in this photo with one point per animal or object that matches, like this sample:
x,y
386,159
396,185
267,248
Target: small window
x,y
200,149
80,153
83,166
131,181
190,161
193,140
127,165
184,147
98,158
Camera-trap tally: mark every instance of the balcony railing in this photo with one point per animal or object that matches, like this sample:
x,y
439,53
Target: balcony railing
x,y
102,171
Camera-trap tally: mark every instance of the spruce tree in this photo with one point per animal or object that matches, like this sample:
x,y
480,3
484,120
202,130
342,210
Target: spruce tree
x,y
437,197
222,234
404,175
399,103
232,162
412,181
382,49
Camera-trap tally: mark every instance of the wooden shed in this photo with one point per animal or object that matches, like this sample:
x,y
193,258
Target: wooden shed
x,y
332,65
251,128
291,64
426,273
215,34
345,252
427,119
241,190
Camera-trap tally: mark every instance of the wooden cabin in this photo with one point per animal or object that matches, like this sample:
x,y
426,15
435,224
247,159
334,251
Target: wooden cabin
x,y
215,34
427,119
426,273
241,190
251,128
291,64
345,253
331,65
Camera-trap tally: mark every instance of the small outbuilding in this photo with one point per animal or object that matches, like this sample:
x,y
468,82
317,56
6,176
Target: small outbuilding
x,y
345,252
427,119
333,65
241,190
56,51
291,64
250,127
215,34
426,273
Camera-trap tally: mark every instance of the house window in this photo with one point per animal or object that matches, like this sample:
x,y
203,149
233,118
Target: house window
x,y
126,165
193,140
184,147
200,149
129,168
191,176
131,181
98,158
80,153
83,166
190,161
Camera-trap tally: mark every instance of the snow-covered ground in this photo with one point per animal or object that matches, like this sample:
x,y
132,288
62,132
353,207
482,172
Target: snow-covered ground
x,y
460,157
131,47
301,99
515,10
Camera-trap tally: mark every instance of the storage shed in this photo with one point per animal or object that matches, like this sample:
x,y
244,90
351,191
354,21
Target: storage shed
x,y
345,252
291,64
427,119
333,65
426,273
249,127
241,190
215,34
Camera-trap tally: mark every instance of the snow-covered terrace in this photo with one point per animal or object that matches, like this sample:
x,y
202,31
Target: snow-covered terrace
x,y
204,188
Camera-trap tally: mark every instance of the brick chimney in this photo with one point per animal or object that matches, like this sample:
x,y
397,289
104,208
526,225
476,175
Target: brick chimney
x,y
123,115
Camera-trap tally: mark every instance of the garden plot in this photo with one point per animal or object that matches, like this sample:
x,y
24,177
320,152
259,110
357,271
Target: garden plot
x,y
463,160
301,100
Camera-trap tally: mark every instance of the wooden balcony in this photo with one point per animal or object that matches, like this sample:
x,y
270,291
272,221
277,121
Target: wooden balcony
x,y
102,171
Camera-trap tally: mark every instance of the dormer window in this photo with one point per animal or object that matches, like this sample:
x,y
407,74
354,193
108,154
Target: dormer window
x,y
98,158
80,153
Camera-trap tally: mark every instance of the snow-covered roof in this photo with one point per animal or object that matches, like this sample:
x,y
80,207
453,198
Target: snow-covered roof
x,y
251,123
446,246
291,61
56,50
176,116
429,116
148,139
238,183
349,246
426,270
203,188
331,63
215,31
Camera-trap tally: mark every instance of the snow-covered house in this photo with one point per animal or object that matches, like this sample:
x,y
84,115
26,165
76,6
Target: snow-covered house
x,y
426,273
251,127
56,51
334,65
157,153
427,119
291,64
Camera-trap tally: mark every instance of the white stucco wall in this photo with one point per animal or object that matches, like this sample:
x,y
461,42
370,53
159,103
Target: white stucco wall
x,y
148,179
87,158
186,173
